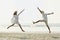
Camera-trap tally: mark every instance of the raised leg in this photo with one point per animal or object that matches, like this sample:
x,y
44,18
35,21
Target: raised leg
x,y
38,21
21,27
48,27
10,26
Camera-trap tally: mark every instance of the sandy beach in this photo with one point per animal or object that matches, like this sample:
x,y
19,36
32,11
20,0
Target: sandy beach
x,y
32,33
29,36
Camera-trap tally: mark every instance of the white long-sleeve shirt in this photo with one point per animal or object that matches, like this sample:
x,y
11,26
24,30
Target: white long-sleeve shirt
x,y
45,16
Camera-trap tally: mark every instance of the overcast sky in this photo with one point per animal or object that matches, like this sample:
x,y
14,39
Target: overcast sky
x,y
7,8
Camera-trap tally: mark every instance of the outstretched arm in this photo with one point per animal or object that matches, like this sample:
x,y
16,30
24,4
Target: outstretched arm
x,y
21,12
39,9
50,13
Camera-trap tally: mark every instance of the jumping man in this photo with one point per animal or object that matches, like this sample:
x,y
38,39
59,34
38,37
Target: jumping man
x,y
44,15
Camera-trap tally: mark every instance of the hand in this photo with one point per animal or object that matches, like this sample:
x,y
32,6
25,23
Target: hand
x,y
52,12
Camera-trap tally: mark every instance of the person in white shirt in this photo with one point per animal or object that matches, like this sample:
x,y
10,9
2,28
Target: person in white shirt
x,y
15,19
44,15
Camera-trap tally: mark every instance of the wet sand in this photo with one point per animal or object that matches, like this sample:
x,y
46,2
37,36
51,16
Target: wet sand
x,y
29,36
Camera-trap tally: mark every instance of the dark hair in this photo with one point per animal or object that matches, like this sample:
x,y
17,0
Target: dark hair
x,y
15,13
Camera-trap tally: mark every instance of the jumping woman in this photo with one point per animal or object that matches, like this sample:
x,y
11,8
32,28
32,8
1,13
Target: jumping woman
x,y
15,20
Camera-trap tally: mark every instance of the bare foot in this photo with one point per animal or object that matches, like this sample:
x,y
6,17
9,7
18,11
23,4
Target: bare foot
x,y
7,27
49,31
33,22
23,30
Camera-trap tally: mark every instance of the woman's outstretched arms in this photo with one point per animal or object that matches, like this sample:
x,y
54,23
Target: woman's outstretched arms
x,y
39,9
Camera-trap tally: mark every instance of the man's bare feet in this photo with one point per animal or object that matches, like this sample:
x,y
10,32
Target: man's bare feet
x,y
23,30
49,31
33,22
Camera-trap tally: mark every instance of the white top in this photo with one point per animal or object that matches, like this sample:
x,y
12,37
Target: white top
x,y
44,16
15,19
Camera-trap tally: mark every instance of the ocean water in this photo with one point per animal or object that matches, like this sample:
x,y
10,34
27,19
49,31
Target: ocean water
x,y
55,28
